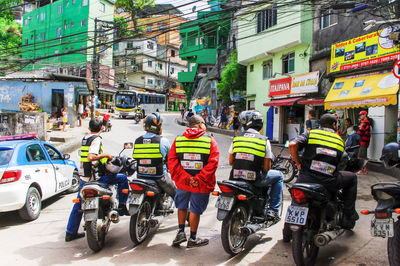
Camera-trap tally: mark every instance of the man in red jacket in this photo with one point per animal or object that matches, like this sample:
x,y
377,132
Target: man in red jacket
x,y
192,162
365,136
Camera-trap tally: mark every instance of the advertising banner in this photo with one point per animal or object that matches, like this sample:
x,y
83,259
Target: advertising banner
x,y
279,87
305,83
369,49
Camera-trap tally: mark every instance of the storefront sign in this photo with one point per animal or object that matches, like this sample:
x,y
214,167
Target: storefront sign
x,y
306,83
279,87
369,49
179,96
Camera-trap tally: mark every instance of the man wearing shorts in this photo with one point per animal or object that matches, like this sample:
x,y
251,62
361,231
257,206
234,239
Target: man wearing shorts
x,y
192,162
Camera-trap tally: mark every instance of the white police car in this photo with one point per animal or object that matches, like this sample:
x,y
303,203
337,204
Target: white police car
x,y
31,171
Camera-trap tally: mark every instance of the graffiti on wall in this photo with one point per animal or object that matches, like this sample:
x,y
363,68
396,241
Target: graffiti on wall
x,y
4,95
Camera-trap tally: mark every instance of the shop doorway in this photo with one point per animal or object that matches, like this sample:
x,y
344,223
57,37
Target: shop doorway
x,y
270,123
57,102
293,122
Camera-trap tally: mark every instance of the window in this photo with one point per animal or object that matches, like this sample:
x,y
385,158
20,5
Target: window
x,y
129,45
102,7
83,49
83,23
37,16
162,26
84,2
172,53
67,3
59,10
5,155
150,81
72,24
149,27
43,36
267,18
54,155
66,50
150,45
34,153
73,2
42,16
59,32
328,18
116,46
72,48
26,42
159,66
65,26
56,52
32,37
149,63
288,63
25,22
267,69
172,70
251,68
116,63
133,61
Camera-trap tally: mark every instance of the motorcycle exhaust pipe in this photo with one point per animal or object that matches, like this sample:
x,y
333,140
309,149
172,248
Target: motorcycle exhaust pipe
x,y
156,220
324,238
113,216
251,229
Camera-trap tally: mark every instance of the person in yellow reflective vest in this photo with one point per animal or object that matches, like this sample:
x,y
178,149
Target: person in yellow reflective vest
x,y
323,149
250,156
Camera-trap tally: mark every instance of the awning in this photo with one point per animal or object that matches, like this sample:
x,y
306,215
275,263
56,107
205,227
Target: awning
x,y
311,101
104,90
287,101
374,89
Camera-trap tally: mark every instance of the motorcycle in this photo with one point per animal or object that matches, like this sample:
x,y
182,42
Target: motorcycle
x,y
99,204
387,195
287,164
138,115
148,206
314,217
242,209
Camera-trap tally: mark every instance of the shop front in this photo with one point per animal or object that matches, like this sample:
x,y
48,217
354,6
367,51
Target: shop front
x,y
105,97
176,101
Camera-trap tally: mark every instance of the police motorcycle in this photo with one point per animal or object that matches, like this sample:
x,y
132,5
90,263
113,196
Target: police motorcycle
x,y
387,195
138,115
314,217
99,201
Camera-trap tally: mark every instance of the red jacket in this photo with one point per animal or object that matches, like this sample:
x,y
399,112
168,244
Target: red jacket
x,y
206,177
365,133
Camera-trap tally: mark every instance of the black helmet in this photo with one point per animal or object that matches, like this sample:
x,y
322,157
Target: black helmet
x,y
390,155
251,119
327,120
153,123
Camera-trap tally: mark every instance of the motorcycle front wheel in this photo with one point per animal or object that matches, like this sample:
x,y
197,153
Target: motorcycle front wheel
x,y
139,225
232,241
393,246
304,250
95,236
137,119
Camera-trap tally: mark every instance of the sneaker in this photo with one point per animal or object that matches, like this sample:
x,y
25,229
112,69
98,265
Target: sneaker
x,y
122,210
70,237
180,238
198,242
272,215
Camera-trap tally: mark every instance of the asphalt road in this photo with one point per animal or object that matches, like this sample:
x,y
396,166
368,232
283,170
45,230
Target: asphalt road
x,y
41,242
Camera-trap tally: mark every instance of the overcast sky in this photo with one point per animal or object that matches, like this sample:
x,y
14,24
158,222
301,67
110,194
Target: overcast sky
x,y
200,6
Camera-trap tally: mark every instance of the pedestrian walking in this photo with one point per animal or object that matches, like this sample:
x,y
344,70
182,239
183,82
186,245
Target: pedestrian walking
x,y
192,162
80,113
183,111
312,122
64,117
365,136
236,122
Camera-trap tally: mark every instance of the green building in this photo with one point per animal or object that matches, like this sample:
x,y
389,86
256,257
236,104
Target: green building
x,y
61,31
202,41
275,44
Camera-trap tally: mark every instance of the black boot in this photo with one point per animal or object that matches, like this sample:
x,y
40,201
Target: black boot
x,y
122,210
70,237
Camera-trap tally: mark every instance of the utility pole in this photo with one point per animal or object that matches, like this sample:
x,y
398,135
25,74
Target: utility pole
x,y
94,68
125,70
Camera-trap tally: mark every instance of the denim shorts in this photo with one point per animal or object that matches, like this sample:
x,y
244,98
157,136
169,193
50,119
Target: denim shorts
x,y
198,201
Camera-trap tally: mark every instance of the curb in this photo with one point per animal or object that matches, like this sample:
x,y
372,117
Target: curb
x,y
210,129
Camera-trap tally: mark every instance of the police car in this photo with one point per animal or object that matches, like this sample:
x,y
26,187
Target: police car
x,y
32,171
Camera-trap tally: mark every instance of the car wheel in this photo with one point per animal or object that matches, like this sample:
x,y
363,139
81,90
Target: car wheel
x,y
33,205
75,183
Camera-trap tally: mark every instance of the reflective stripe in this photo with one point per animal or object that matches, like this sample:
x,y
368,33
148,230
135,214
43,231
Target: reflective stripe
x,y
149,145
104,160
193,150
85,160
85,148
151,155
250,151
84,154
325,135
146,151
255,140
249,145
200,139
325,143
192,143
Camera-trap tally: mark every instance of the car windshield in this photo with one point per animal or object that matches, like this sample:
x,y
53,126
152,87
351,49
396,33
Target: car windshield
x,y
5,155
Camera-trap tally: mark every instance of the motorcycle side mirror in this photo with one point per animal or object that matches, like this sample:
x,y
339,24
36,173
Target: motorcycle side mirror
x,y
66,156
128,145
287,144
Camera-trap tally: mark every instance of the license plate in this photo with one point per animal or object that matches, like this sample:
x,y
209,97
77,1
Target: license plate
x,y
382,227
296,215
90,204
136,199
224,203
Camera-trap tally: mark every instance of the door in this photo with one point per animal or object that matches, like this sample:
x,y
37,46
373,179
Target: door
x,y
41,170
270,123
62,171
57,101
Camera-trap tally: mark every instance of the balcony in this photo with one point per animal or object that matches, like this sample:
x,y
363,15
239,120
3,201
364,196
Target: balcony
x,y
186,76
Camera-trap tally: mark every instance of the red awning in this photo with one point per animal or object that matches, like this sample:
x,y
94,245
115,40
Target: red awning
x,y
311,101
287,101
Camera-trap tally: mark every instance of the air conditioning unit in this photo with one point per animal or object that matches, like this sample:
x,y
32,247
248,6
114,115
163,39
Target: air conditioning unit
x,y
135,68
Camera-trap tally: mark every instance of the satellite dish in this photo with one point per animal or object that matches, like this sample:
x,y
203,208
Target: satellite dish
x,y
193,8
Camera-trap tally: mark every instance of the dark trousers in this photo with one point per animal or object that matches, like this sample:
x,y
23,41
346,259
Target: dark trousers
x,y
347,181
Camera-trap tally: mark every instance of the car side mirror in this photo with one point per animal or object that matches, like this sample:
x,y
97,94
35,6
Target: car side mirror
x,y
66,156
128,145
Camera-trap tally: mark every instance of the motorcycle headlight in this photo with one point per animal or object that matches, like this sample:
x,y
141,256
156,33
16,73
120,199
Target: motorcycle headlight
x,y
380,195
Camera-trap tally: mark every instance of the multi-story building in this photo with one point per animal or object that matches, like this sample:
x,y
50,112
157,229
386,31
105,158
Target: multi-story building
x,y
274,42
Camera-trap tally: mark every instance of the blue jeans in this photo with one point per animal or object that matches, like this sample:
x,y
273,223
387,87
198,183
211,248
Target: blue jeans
x,y
76,215
274,179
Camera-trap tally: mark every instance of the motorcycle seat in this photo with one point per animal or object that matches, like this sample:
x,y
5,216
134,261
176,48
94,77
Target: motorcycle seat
x,y
100,184
148,183
241,184
317,191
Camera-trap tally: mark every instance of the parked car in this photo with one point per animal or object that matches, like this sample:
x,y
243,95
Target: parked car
x,y
32,171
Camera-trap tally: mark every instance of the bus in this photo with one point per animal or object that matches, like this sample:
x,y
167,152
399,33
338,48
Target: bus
x,y
126,102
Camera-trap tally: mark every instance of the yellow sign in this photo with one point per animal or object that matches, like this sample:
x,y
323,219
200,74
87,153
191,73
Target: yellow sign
x,y
369,49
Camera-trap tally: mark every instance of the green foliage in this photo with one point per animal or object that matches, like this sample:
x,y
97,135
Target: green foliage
x,y
233,77
134,7
123,27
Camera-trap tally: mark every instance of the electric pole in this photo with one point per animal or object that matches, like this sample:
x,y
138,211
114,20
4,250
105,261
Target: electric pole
x,y
94,69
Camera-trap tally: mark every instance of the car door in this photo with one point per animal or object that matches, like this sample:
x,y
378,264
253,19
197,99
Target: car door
x,y
41,169
63,177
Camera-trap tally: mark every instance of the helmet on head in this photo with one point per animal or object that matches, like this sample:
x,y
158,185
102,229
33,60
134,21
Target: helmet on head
x,y
114,166
251,119
153,123
390,155
327,120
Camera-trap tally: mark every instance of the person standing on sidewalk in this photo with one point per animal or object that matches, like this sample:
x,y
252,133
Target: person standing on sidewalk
x,y
80,113
64,117
192,162
312,122
365,136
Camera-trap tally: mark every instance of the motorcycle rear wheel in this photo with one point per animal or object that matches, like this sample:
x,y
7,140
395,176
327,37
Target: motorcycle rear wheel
x,y
304,250
139,226
393,246
232,241
95,238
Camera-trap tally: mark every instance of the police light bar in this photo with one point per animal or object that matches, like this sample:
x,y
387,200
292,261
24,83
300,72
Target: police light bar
x,y
21,137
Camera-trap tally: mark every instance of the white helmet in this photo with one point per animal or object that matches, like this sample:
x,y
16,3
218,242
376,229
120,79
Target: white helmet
x,y
114,166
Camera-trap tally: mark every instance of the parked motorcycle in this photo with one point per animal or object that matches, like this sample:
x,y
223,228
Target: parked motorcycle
x,y
314,217
148,206
99,203
242,209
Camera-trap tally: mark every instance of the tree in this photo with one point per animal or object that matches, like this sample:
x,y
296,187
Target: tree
x,y
233,78
134,7
123,27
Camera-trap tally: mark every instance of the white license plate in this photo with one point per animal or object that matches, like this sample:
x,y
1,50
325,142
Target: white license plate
x,y
90,204
296,215
224,203
382,227
136,199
